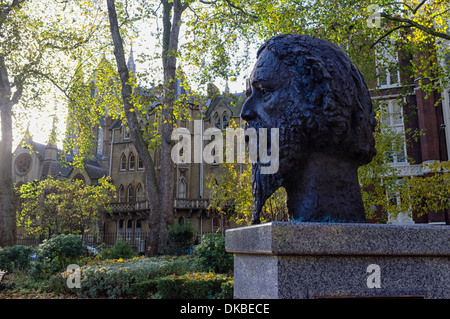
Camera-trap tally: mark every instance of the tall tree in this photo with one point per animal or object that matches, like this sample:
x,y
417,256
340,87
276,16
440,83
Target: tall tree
x,y
162,189
161,209
153,191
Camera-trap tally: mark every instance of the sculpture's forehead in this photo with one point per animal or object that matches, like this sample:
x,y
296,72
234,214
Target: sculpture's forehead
x,y
267,68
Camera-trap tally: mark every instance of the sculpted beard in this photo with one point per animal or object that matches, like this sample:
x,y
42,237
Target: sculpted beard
x,y
291,156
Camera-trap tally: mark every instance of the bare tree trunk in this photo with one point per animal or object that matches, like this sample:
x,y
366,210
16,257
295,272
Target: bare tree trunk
x,y
153,193
7,210
7,197
162,210
171,31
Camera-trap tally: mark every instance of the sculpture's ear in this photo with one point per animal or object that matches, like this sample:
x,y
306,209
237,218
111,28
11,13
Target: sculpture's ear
x,y
313,79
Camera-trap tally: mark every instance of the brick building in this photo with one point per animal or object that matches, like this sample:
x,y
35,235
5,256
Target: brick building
x,y
407,109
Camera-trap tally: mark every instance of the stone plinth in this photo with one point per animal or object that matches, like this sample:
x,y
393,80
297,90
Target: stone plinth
x,y
321,260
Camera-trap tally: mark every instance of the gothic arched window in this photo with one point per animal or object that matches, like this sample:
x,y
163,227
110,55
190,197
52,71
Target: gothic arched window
x,y
130,194
182,187
131,162
140,196
225,120
217,121
121,194
123,163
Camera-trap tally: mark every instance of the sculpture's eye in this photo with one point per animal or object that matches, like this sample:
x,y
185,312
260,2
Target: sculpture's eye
x,y
248,92
266,94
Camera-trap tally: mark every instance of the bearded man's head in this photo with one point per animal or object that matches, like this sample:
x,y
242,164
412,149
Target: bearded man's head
x,y
313,93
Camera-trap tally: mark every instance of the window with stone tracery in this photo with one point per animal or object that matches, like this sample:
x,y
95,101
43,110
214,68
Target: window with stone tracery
x,y
23,164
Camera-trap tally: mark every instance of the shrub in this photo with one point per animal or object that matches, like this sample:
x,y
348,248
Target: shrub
x,y
15,258
5,263
120,249
227,289
124,278
179,238
212,254
145,289
191,286
55,254
58,285
65,249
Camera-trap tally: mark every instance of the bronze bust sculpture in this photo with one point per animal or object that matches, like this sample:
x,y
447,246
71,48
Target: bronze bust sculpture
x,y
313,93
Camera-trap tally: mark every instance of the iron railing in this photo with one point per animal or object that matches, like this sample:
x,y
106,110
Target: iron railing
x,y
138,240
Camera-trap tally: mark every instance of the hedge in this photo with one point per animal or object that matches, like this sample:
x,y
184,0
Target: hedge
x,y
192,286
156,277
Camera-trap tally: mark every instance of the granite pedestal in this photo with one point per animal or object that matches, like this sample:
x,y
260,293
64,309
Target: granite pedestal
x,y
291,260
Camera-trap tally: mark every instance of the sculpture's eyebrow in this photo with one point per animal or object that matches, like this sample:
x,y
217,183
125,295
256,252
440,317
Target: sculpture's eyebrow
x,y
256,84
259,75
263,83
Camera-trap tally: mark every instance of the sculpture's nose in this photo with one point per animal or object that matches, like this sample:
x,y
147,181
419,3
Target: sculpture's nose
x,y
248,111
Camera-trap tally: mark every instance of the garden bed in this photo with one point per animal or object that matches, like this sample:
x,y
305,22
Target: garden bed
x,y
39,273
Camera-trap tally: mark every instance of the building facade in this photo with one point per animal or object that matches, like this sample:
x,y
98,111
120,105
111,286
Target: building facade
x,y
407,109
115,156
130,212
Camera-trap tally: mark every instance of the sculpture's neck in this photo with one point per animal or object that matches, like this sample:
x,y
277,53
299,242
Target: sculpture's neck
x,y
328,191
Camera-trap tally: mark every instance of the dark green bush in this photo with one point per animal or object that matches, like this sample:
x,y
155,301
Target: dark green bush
x,y
5,263
120,249
145,289
65,249
212,254
180,238
58,285
15,258
227,289
191,286
55,254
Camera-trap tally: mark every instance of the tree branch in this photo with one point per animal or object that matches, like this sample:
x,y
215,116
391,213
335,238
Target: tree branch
x,y
5,85
130,114
387,34
18,83
416,25
240,9
402,3
418,6
7,8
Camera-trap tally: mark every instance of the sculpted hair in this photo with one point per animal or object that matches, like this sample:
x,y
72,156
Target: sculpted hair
x,y
335,109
